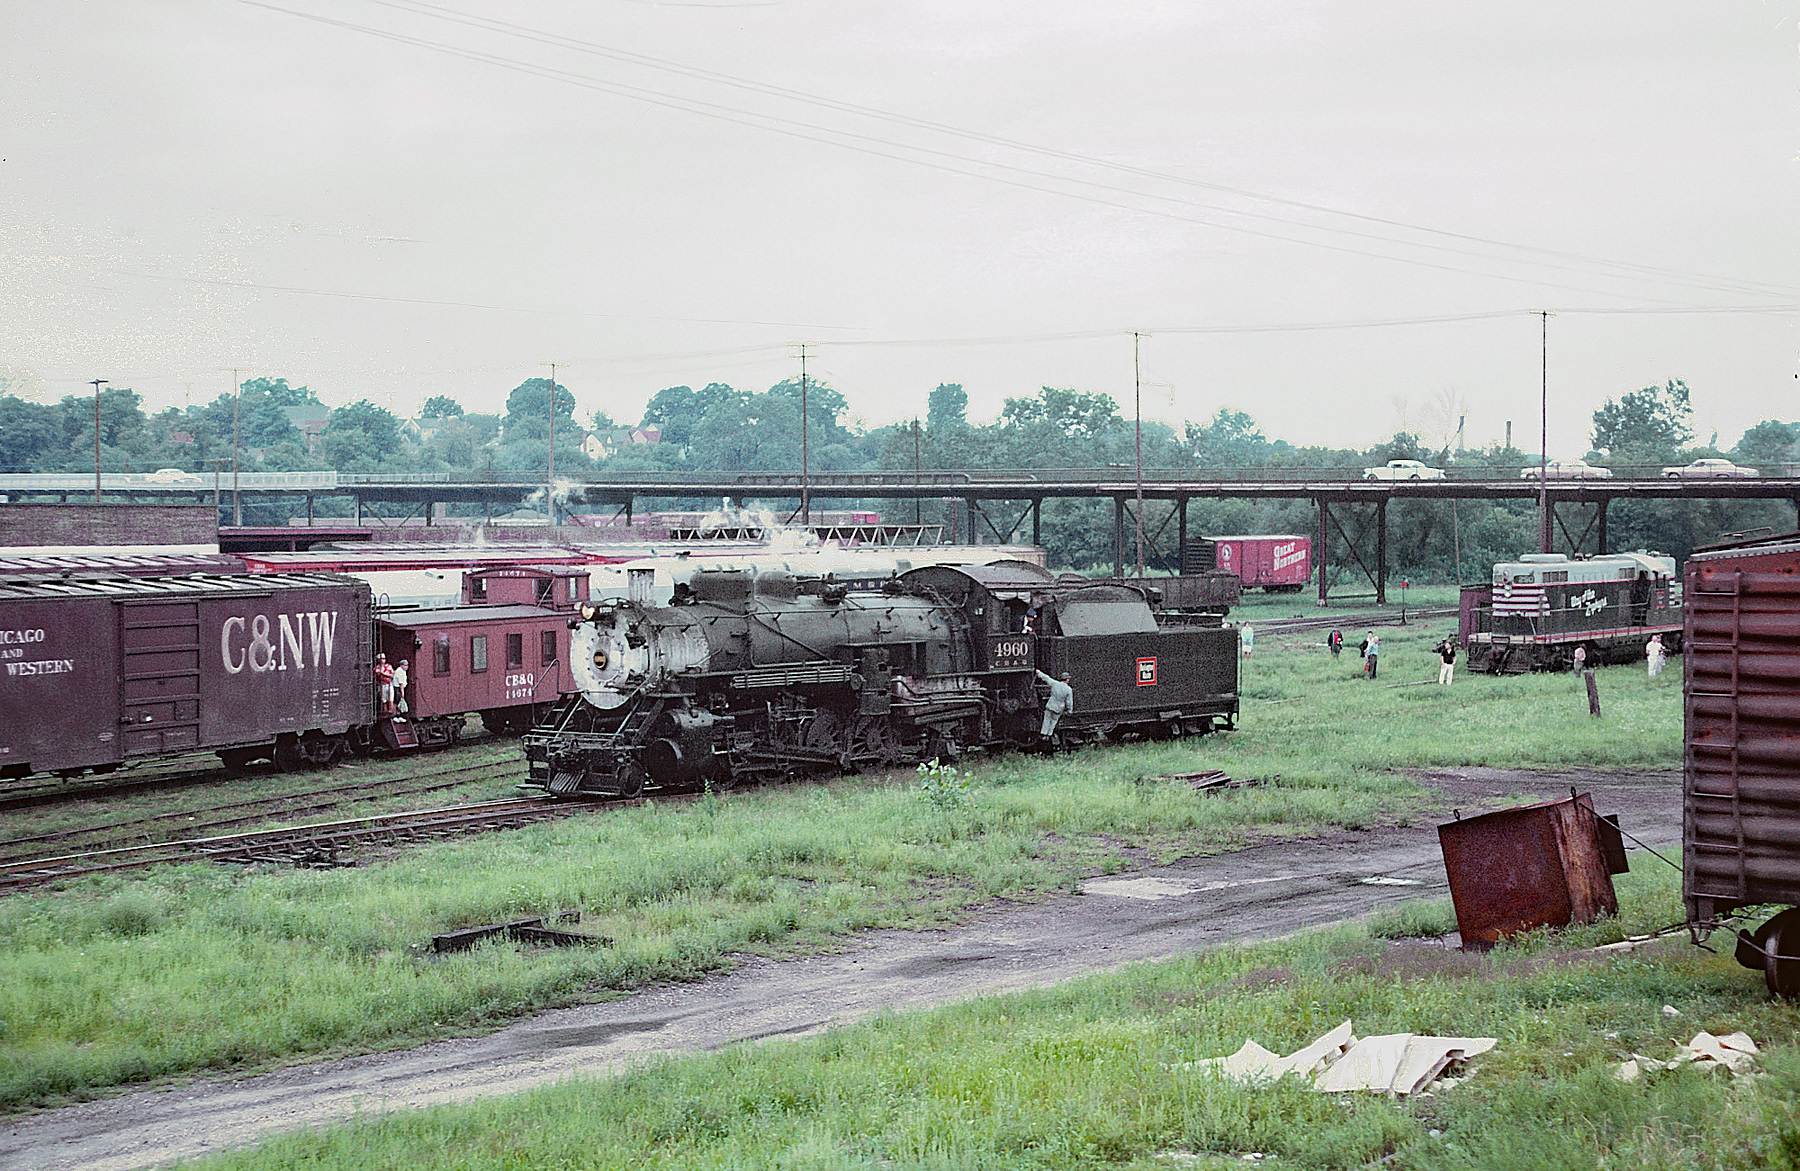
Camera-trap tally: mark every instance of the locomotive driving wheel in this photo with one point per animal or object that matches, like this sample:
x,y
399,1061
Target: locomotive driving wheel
x,y
875,742
825,732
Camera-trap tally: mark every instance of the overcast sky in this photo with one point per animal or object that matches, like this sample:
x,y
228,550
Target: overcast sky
x,y
1337,217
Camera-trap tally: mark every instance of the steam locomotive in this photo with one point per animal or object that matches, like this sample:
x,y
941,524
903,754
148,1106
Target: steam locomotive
x,y
753,676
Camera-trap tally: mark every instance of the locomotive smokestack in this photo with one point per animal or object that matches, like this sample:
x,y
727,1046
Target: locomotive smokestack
x,y
638,584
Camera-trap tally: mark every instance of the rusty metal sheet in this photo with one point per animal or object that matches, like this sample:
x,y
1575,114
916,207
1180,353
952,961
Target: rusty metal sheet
x,y
1540,865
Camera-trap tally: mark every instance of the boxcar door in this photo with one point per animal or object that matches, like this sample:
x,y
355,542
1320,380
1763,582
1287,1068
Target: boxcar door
x,y
159,676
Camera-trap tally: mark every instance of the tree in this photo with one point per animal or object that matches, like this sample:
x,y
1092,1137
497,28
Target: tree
x,y
1770,442
280,393
947,409
440,406
1232,439
378,423
1651,420
530,405
29,434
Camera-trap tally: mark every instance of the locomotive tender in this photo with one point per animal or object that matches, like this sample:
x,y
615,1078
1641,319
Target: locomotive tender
x,y
754,676
1544,605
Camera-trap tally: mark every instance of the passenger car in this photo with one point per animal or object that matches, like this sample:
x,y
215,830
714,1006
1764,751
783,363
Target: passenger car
x,y
1403,469
1568,469
1709,469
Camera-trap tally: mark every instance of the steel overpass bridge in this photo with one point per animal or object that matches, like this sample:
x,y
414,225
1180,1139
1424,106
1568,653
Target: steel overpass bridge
x,y
1351,536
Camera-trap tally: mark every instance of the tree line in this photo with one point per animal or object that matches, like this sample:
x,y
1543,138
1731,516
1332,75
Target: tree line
x,y
273,426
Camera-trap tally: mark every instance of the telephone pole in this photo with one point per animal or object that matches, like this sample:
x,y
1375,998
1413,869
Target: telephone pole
x,y
1545,537
805,455
237,501
97,383
1137,398
550,476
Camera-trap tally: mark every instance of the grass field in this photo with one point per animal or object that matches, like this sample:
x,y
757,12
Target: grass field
x,y
1099,1073
188,969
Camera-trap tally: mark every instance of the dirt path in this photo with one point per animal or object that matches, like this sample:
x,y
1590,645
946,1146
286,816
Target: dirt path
x,y
1258,893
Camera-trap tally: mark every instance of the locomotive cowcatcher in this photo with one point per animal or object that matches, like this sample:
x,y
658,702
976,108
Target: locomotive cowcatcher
x,y
756,676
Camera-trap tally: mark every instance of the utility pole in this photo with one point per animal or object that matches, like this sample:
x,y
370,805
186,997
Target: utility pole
x,y
237,501
1544,535
97,383
1137,396
805,455
918,468
550,476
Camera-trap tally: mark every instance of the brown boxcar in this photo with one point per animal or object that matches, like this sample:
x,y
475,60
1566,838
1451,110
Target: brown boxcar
x,y
1741,731
100,671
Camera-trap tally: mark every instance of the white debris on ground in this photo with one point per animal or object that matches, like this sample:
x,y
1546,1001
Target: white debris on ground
x,y
1394,1064
1734,1052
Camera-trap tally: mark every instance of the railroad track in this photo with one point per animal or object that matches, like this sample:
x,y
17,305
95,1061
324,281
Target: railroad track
x,y
309,845
1352,621
301,803
184,772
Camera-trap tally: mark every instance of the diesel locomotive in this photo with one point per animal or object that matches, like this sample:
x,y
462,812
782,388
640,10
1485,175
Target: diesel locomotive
x,y
749,676
1543,606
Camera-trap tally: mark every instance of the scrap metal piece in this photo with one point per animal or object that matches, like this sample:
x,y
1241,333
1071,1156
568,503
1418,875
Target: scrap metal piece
x,y
1544,865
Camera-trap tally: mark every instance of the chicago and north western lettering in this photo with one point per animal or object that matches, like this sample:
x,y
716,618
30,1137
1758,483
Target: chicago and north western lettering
x,y
260,646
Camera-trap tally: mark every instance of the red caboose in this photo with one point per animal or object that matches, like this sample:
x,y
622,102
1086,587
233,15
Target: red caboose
x,y
502,660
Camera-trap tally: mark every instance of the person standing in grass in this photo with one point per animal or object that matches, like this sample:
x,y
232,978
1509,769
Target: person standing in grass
x,y
1335,641
1580,659
1655,655
1373,655
1446,650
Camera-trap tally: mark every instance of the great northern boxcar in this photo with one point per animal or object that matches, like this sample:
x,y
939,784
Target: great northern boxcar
x,y
1741,760
101,671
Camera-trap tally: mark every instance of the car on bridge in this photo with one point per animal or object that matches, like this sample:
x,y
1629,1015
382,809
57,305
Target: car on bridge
x,y
1709,469
1567,469
1403,469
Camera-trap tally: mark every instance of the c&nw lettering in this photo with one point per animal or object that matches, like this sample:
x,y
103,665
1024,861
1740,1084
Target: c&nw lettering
x,y
260,646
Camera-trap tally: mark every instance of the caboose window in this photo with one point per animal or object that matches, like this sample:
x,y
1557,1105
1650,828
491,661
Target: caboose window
x,y
543,590
515,650
440,657
477,652
547,641
478,589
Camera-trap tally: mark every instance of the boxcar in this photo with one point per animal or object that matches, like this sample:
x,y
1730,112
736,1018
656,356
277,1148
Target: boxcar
x,y
103,671
1741,738
1279,563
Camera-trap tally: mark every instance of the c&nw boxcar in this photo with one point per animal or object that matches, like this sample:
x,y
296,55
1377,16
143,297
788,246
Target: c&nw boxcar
x,y
98,672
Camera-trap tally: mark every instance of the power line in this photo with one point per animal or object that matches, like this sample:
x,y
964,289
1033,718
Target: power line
x,y
524,32
887,148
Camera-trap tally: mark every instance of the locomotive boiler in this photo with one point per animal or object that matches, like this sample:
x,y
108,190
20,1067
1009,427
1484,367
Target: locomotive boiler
x,y
756,676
